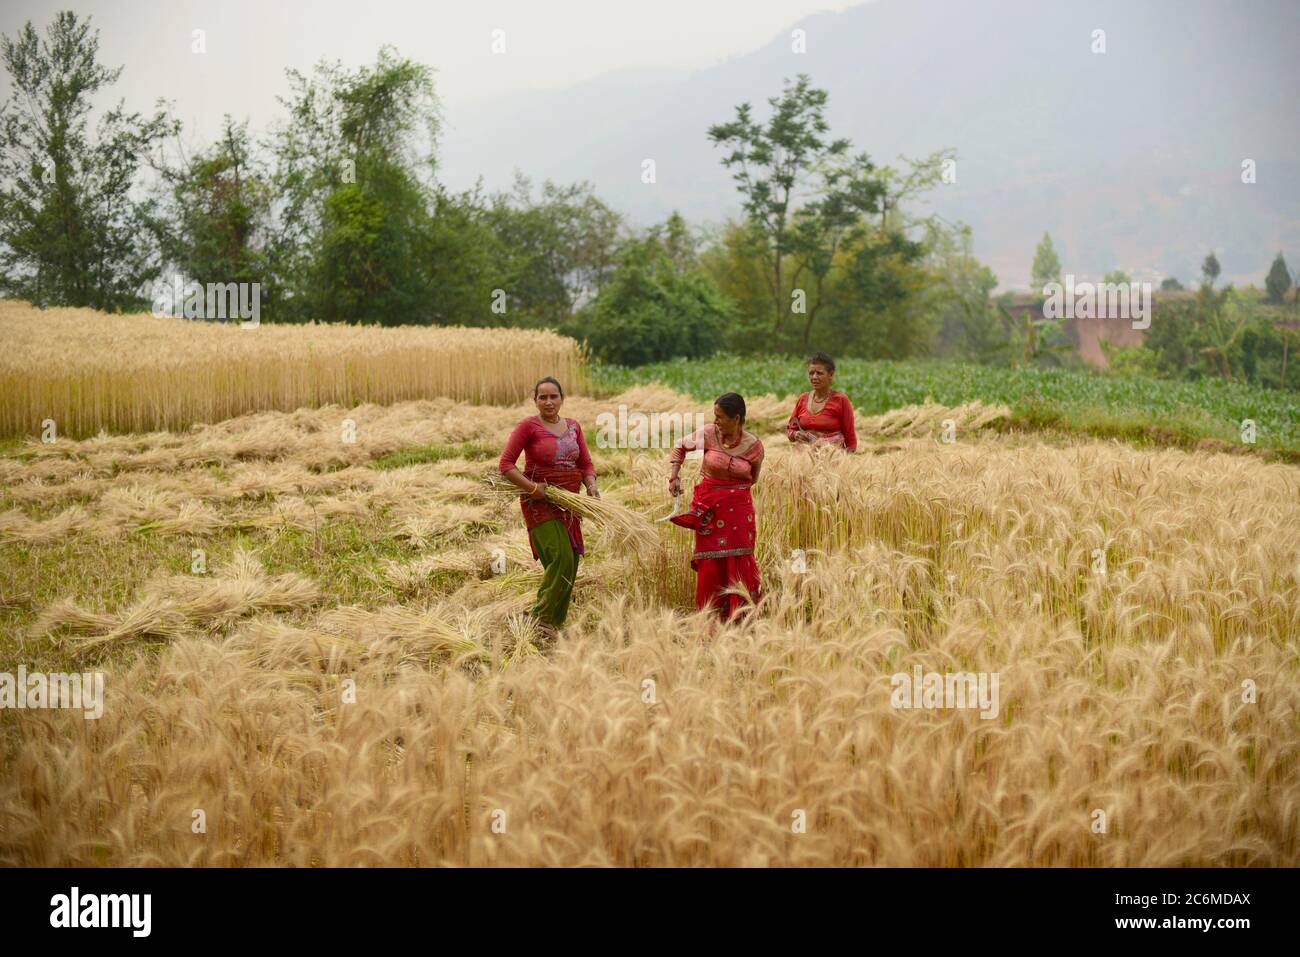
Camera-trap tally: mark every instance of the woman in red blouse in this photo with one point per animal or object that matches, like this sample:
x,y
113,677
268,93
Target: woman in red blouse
x,y
722,509
554,451
823,416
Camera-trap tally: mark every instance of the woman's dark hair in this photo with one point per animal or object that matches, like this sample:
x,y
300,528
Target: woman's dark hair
x,y
551,379
822,359
732,404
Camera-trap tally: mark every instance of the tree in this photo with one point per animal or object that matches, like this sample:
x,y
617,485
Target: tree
x,y
1170,284
560,248
465,261
652,309
71,232
969,327
898,185
354,173
1209,271
1117,276
773,162
878,311
735,260
217,219
678,244
1047,265
837,218
1278,281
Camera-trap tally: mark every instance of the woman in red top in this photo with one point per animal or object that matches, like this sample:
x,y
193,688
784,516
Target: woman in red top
x,y
823,416
555,451
722,509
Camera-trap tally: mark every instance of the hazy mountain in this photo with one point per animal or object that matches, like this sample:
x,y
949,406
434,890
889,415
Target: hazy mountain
x,y
1130,158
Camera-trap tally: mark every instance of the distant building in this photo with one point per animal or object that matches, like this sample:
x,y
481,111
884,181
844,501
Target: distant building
x,y
1086,335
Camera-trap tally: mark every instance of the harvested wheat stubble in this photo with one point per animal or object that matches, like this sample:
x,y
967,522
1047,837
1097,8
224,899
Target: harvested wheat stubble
x,y
181,604
1121,683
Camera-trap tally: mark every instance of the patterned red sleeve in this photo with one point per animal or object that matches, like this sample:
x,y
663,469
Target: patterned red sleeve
x,y
687,443
846,425
791,428
584,457
514,446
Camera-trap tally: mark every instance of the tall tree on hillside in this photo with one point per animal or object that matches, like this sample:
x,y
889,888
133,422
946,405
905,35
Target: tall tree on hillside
x,y
773,162
1278,281
1047,265
71,232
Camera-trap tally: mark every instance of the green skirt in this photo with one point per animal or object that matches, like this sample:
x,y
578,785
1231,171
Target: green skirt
x,y
560,571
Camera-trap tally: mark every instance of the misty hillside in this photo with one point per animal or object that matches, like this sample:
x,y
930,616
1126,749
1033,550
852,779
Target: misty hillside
x,y
1131,158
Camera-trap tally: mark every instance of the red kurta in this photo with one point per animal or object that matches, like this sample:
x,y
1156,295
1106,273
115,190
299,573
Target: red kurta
x,y
834,423
561,460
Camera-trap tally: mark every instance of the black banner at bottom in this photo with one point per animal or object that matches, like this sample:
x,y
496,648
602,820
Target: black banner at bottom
x,y
335,906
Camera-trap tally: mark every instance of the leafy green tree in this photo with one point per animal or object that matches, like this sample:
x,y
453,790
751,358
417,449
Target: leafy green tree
x,y
1278,281
1047,265
900,185
679,245
1117,276
735,260
354,173
560,248
1169,339
772,163
878,311
651,309
959,294
465,261
1170,284
1209,270
71,230
823,226
216,225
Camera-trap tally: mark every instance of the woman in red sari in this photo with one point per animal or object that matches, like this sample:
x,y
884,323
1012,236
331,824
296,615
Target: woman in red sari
x,y
722,509
823,416
554,451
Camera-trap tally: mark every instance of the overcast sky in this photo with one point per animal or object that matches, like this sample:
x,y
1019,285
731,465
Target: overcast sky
x,y
549,43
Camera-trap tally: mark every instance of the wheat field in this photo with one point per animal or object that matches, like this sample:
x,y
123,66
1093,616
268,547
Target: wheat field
x,y
88,371
348,681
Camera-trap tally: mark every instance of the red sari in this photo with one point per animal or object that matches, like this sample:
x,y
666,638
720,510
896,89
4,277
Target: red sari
x,y
561,460
722,517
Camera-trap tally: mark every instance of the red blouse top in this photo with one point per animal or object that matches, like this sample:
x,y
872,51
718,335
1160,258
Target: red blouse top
x,y
727,465
834,423
561,460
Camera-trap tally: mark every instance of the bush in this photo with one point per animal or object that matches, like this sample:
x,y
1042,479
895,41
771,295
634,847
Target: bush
x,y
652,310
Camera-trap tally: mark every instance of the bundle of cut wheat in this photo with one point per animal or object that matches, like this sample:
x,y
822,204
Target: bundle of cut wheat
x,y
625,524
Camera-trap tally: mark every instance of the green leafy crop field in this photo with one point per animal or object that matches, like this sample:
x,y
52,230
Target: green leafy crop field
x,y
1171,412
